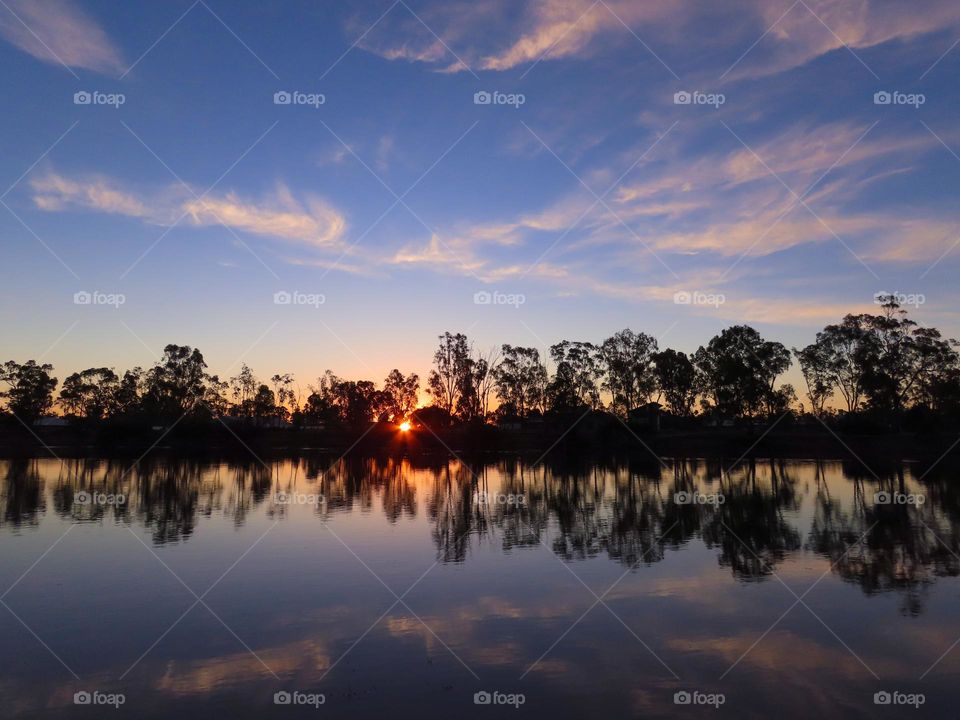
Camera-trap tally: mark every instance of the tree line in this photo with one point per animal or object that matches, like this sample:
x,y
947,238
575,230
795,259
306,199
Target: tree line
x,y
883,364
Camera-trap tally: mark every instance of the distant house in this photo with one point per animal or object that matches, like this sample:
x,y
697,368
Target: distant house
x,y
258,422
720,422
53,421
645,417
595,425
431,417
271,422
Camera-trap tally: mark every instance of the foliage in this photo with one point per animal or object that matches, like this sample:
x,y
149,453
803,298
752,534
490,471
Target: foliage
x,y
29,388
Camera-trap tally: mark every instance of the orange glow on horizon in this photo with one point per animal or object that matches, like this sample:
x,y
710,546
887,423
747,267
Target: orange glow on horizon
x,y
404,426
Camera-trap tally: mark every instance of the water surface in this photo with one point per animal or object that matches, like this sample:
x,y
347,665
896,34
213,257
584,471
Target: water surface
x,y
200,589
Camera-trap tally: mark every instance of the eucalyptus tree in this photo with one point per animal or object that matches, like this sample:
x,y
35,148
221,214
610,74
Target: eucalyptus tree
x,y
521,380
737,371
451,371
575,382
676,379
90,393
401,394
627,362
29,388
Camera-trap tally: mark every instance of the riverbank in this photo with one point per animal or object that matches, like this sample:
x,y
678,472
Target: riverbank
x,y
214,439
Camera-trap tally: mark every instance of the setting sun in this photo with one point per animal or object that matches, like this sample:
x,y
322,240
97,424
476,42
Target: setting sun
x,y
404,426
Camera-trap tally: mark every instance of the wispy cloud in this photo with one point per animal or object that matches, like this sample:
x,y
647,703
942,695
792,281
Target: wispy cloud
x,y
56,31
310,221
715,206
557,29
55,193
313,221
728,201
817,27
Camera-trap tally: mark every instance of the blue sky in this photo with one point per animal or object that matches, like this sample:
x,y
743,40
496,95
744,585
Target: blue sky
x,y
782,195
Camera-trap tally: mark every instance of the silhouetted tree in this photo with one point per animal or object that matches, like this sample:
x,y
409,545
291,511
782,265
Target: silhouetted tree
x,y
176,386
575,381
215,400
283,391
817,375
627,358
676,378
738,370
29,388
401,394
127,398
521,380
906,359
264,403
243,387
484,378
843,353
356,403
90,393
452,367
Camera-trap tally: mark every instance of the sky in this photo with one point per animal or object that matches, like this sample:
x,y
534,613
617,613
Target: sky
x,y
309,185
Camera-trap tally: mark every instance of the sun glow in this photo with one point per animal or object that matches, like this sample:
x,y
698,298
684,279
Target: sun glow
x,y
404,426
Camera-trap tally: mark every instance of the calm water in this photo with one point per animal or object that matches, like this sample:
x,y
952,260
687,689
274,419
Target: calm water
x,y
391,589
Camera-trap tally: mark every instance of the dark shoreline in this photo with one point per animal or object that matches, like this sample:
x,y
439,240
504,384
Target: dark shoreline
x,y
472,442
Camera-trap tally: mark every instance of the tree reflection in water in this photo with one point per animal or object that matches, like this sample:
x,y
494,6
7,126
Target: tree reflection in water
x,y
624,509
